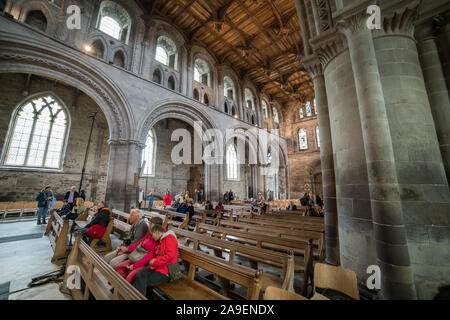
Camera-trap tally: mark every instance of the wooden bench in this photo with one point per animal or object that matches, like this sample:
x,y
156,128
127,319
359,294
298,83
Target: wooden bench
x,y
189,289
283,261
293,225
172,216
95,274
317,237
303,248
58,233
106,236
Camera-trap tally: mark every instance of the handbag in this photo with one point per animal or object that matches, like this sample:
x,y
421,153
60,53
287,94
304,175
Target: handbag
x,y
137,254
174,270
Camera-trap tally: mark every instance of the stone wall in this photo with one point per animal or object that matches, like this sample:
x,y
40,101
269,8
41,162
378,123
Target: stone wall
x,y
23,185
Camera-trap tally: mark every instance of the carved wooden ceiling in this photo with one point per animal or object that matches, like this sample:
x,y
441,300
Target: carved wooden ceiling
x,y
260,39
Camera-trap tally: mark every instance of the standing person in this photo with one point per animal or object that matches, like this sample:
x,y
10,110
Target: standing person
x,y
186,196
198,196
319,201
51,201
304,200
83,195
150,201
71,196
230,196
180,197
190,209
165,253
225,197
43,202
167,198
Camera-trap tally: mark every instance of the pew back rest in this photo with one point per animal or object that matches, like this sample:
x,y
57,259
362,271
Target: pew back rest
x,y
273,293
241,275
336,278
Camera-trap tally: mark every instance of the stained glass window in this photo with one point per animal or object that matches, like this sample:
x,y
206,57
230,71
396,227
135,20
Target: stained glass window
x,y
302,139
308,109
148,155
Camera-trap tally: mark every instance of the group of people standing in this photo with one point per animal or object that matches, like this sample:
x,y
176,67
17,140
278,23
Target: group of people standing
x,y
167,198
46,201
308,202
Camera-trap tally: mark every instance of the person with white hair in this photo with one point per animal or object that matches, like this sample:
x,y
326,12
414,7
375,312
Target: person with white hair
x,y
139,228
71,196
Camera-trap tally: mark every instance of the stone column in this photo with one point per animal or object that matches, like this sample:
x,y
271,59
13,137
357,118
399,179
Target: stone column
x,y
313,66
214,182
423,186
356,245
444,48
389,230
436,86
123,164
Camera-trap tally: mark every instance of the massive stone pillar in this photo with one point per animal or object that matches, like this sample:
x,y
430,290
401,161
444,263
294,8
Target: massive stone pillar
x,y
436,86
388,226
444,47
314,67
356,246
123,165
424,191
214,182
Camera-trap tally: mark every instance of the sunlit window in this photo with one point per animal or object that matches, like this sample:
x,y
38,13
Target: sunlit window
x,y
148,155
308,109
276,118
39,134
265,109
228,88
249,99
232,163
166,52
110,26
302,139
302,115
318,137
201,72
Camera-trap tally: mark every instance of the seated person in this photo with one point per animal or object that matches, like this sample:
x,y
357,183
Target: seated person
x,y
176,204
310,212
183,207
65,209
292,207
263,207
138,254
97,227
139,228
165,252
77,210
208,205
190,209
253,205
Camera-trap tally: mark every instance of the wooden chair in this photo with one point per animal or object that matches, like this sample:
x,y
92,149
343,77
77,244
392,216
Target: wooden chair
x,y
273,293
335,278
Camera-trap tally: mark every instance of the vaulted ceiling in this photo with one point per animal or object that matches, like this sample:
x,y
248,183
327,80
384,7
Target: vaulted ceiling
x,y
260,39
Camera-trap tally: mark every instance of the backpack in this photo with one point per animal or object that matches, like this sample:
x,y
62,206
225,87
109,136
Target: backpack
x,y
303,201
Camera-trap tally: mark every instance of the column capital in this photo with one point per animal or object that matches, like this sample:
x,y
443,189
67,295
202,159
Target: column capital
x,y
400,21
429,29
328,45
353,19
313,65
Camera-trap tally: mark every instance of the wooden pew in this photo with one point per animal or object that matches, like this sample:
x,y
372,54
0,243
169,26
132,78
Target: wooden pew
x,y
189,289
106,236
58,232
171,218
317,237
293,225
95,273
304,248
284,261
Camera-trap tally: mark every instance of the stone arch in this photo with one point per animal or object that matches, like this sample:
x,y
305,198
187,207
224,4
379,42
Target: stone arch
x,y
157,76
29,6
120,58
173,85
100,48
87,79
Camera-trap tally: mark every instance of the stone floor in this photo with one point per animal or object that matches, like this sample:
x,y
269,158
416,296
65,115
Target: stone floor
x,y
20,261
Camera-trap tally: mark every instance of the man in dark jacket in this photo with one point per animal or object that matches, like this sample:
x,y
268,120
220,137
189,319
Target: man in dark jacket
x,y
43,199
71,196
97,227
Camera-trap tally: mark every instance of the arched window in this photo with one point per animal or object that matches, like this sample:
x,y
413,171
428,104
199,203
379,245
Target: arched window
x,y
265,109
196,95
39,134
119,59
37,20
308,109
253,119
232,163
166,52
114,20
302,115
318,136
276,118
233,112
302,139
171,83
206,99
201,72
157,76
228,88
249,99
148,155
315,107
98,49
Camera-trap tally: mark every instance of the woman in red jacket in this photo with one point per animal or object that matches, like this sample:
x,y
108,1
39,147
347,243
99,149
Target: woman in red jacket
x,y
128,269
165,252
167,198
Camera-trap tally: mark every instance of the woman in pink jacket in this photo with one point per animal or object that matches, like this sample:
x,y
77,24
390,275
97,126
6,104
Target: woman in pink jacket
x,y
129,270
167,198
